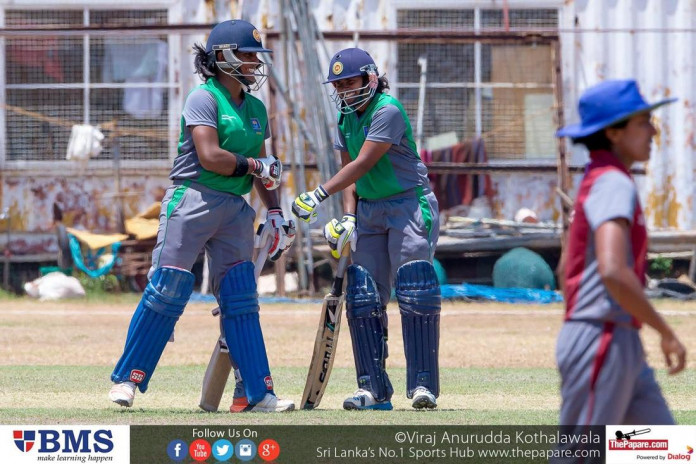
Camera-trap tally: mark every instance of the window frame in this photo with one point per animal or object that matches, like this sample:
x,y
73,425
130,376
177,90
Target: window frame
x,y
478,85
66,167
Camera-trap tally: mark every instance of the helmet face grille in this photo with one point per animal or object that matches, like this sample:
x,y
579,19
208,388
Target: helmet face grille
x,y
349,101
233,67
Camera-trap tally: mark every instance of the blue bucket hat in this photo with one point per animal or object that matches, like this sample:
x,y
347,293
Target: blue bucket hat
x,y
606,104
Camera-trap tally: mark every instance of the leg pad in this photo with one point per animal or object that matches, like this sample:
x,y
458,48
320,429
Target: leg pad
x,y
239,310
418,295
368,333
152,325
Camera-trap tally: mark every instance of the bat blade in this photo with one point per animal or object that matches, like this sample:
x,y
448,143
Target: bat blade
x,y
215,378
324,351
325,342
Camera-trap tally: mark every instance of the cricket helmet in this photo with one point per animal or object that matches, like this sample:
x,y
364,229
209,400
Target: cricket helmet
x,y
230,37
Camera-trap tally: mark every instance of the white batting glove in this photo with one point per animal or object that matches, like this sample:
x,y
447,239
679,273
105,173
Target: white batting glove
x,y
269,170
280,232
306,204
341,234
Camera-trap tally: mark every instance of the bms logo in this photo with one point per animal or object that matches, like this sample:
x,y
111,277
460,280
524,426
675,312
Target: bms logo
x,y
65,441
24,439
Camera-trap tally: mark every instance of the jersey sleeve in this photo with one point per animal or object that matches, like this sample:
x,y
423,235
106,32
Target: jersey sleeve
x,y
200,109
388,125
339,141
613,195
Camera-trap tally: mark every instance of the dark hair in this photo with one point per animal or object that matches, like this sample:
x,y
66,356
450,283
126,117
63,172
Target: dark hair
x,y
203,63
382,83
598,140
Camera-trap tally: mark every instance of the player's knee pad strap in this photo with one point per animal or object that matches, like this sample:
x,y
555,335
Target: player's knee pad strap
x,y
365,320
239,309
418,295
162,303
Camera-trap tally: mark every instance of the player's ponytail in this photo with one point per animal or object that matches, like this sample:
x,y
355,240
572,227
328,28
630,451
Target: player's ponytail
x,y
203,65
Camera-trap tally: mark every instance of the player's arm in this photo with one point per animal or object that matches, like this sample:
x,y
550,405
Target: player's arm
x,y
350,197
370,154
611,240
212,157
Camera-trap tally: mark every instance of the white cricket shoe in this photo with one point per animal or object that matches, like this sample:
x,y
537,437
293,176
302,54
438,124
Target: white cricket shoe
x,y
423,398
269,403
123,394
364,399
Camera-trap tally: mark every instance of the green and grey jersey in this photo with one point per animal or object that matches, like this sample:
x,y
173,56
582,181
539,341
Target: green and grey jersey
x,y
241,129
400,169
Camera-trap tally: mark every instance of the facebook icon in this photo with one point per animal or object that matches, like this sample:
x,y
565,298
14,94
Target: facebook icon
x,y
177,450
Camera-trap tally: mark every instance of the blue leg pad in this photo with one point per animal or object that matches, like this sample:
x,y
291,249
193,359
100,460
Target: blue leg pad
x,y
152,325
368,333
418,294
239,309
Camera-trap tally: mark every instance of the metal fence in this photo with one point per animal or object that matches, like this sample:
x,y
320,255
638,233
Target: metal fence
x,y
499,86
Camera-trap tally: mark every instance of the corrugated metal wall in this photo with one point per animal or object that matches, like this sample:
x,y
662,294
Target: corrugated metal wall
x,y
653,42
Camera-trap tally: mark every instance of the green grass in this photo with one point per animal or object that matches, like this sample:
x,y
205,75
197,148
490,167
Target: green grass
x,y
64,394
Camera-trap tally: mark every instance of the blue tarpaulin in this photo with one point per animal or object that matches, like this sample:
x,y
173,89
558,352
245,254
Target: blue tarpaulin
x,y
462,291
466,291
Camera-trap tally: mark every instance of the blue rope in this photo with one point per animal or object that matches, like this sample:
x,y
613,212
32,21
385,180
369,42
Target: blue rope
x,y
92,258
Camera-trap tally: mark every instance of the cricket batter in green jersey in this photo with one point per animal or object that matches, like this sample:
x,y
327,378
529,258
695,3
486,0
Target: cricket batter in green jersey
x,y
391,224
221,156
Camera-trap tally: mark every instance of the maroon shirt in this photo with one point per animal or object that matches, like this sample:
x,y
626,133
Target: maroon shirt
x,y
607,192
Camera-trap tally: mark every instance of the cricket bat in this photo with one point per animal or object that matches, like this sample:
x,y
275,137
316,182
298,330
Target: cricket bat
x,y
326,341
220,366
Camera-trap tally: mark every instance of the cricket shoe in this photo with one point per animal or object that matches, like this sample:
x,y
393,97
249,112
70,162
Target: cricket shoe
x,y
123,394
269,403
363,399
423,398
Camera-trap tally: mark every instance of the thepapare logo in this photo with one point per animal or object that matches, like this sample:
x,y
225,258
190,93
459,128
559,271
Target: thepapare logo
x,y
269,382
65,441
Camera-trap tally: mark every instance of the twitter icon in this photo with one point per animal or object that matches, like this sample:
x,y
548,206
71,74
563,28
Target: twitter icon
x,y
223,450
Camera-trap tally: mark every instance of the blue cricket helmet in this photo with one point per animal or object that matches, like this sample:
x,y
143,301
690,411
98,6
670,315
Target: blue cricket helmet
x,y
350,62
236,34
230,37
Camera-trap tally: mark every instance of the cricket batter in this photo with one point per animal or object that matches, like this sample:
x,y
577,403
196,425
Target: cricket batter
x,y
221,155
391,224
605,378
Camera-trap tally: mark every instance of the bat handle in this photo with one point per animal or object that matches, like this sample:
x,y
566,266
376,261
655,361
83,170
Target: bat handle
x,y
337,287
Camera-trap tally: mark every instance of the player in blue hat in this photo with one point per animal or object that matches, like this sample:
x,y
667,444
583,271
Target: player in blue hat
x,y
221,156
605,378
391,224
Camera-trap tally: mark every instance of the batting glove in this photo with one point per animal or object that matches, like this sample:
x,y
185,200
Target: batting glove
x,y
269,170
281,233
340,234
306,204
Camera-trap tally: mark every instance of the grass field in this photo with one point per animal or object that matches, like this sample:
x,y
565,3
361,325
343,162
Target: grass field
x,y
497,365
